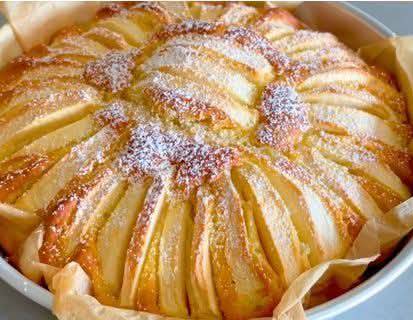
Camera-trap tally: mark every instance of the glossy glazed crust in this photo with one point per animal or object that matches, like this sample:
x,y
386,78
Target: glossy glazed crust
x,y
259,152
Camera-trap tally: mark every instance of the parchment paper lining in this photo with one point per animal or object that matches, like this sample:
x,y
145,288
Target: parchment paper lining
x,y
34,23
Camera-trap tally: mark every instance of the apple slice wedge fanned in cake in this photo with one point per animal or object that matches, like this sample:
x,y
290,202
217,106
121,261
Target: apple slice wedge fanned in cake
x,y
244,281
340,180
23,169
21,125
20,172
147,293
341,120
172,257
276,23
357,80
196,64
76,210
82,186
80,159
202,297
252,64
103,252
133,23
139,246
180,97
324,223
372,169
276,230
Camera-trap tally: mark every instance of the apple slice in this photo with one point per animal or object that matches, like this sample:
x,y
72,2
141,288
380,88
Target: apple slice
x,y
255,67
348,222
385,198
318,59
276,230
30,163
183,97
131,32
365,102
340,180
28,126
172,250
151,17
81,156
45,73
86,253
32,70
372,165
273,31
302,40
19,173
356,79
198,66
61,138
78,45
386,178
108,38
203,300
276,23
114,236
245,283
342,120
238,14
147,293
76,212
37,92
315,226
140,243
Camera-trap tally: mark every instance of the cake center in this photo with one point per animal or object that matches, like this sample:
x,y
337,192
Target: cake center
x,y
207,75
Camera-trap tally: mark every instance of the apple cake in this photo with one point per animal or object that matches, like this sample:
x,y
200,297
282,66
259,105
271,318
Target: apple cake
x,y
195,161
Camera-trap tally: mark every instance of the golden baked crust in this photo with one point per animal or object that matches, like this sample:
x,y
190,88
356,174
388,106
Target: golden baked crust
x,y
195,162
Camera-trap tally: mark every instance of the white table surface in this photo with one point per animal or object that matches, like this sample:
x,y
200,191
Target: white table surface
x,y
393,303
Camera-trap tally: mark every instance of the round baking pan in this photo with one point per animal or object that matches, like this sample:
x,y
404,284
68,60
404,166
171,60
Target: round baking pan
x,y
355,28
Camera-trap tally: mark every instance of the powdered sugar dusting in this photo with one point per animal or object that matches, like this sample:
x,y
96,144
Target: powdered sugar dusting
x,y
255,42
112,8
194,61
189,26
295,171
301,38
33,165
114,115
226,48
44,57
284,115
348,147
187,99
154,151
313,61
248,39
113,72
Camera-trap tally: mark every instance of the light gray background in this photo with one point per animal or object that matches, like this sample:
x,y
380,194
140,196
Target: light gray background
x,y
394,303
